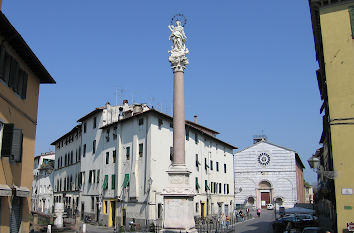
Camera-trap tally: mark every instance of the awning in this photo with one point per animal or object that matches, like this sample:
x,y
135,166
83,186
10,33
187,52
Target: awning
x,y
126,181
22,191
5,190
197,184
105,182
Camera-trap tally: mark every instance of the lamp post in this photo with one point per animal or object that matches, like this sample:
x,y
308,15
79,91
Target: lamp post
x,y
315,164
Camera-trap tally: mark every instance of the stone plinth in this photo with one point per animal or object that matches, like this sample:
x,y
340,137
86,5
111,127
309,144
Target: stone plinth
x,y
178,201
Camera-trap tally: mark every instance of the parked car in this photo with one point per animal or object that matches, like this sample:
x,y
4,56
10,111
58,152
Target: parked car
x,y
313,230
293,221
270,207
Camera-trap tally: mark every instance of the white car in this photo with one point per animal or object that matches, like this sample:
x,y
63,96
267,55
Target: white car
x,y
270,207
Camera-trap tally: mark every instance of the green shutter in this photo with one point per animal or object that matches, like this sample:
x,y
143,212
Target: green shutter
x,y
105,182
351,16
197,187
113,181
126,181
206,186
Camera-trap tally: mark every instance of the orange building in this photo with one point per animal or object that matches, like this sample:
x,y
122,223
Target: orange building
x,y
21,73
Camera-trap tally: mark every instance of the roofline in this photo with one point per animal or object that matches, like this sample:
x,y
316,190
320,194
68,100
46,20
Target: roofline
x,y
16,41
65,135
90,114
267,143
170,117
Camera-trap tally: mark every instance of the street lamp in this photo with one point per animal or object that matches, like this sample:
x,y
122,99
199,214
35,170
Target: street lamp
x,y
315,164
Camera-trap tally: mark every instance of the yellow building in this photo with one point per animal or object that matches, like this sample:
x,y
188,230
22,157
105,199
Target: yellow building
x,y
21,73
333,28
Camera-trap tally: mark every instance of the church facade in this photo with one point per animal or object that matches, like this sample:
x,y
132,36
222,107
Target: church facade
x,y
267,173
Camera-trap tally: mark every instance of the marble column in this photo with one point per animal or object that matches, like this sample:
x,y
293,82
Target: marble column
x,y
178,195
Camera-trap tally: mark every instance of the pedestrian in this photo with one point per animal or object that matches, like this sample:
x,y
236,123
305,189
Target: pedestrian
x,y
248,213
227,221
258,212
241,214
223,218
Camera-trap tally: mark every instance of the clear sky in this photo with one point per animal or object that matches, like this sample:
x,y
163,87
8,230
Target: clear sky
x,y
252,64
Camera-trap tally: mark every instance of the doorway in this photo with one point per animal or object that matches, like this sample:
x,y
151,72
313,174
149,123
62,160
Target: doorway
x,y
265,199
82,210
202,209
124,217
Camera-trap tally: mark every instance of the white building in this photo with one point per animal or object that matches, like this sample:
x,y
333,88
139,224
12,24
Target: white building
x,y
67,170
42,184
267,173
126,153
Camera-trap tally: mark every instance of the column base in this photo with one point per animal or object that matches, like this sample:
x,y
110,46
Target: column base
x,y
178,201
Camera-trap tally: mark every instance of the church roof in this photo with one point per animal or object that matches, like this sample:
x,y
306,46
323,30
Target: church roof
x,y
266,143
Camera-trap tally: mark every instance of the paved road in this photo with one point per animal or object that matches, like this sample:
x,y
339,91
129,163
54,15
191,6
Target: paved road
x,y
257,225
262,224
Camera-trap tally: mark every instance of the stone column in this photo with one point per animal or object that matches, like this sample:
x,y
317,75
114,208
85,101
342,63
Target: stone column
x,y
178,195
178,119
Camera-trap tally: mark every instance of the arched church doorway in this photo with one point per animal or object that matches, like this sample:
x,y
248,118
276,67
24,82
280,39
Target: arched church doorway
x,y
264,194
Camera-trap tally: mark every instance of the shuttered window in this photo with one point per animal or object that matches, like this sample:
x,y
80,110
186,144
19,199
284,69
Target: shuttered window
x,y
113,181
351,16
11,73
12,143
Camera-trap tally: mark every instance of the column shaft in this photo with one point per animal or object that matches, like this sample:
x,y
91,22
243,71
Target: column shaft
x,y
178,119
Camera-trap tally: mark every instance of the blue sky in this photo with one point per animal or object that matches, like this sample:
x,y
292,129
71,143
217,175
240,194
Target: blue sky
x,y
252,64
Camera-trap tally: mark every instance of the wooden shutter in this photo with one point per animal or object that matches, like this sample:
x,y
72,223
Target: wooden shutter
x,y
7,140
351,16
17,145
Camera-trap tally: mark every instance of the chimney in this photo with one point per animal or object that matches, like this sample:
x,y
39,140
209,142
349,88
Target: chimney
x,y
196,119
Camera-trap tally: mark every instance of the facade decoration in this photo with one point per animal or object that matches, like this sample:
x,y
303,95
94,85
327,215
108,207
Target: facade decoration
x,y
266,173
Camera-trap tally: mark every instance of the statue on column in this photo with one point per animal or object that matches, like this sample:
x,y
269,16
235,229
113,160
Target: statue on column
x,y
179,51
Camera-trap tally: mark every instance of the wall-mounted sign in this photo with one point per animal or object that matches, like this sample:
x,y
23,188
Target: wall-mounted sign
x,y
348,207
347,191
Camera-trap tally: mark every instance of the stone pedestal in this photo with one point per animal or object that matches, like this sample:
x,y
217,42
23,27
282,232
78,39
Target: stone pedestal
x,y
178,201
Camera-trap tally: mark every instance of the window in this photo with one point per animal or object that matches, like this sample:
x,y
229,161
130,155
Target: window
x,y
115,133
351,15
105,182
90,177
206,166
11,73
72,157
113,181
224,188
227,189
127,154
160,123
171,153
12,139
107,136
224,167
94,122
196,138
80,153
187,133
196,161
107,157
94,146
159,210
196,207
219,187
84,151
217,166
141,121
206,186
141,147
98,176
114,156
211,187
85,127
211,164
171,124
197,187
